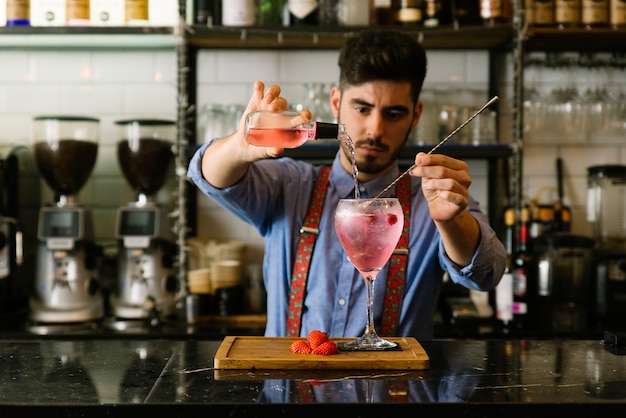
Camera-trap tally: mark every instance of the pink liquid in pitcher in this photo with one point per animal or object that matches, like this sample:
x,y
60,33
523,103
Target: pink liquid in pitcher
x,y
278,137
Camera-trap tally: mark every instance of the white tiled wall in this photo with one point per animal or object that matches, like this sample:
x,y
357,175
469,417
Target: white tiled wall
x,y
112,85
108,85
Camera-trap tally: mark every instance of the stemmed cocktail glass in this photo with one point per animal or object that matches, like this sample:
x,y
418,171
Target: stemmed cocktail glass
x,y
369,230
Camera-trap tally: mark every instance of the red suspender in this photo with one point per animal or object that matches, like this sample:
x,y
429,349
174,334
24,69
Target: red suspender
x,y
306,243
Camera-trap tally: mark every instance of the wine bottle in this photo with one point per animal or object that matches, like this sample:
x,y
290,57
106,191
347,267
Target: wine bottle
x,y
521,270
504,290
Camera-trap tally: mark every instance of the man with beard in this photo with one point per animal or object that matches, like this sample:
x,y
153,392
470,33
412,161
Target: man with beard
x,y
381,76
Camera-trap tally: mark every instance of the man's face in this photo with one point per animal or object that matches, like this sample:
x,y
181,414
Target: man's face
x,y
379,115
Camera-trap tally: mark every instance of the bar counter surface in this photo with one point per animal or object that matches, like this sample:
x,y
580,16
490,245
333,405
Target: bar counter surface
x,y
94,377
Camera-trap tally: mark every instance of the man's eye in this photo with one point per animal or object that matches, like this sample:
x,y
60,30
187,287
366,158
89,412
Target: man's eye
x,y
395,115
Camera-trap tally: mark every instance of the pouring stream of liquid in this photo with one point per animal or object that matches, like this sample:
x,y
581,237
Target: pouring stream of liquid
x,y
443,141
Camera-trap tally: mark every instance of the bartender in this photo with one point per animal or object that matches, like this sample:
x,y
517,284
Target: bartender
x,y
381,77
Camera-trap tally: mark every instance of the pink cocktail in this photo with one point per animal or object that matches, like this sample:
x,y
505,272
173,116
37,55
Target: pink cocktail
x,y
369,230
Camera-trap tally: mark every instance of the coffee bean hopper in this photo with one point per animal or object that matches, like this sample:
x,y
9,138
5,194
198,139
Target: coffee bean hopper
x,y
67,288
147,283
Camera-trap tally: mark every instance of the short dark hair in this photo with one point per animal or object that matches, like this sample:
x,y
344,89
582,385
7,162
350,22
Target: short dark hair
x,y
390,55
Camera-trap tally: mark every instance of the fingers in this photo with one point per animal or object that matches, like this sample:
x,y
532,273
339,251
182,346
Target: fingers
x,y
442,167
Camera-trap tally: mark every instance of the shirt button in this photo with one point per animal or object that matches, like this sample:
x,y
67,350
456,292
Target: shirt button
x,y
342,302
361,188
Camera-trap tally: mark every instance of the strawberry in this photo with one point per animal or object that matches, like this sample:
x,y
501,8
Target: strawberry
x,y
392,219
316,338
300,347
326,349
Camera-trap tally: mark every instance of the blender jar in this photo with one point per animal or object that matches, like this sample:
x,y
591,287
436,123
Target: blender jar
x,y
606,206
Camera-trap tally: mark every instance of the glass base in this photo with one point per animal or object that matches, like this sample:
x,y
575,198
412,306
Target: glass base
x,y
367,343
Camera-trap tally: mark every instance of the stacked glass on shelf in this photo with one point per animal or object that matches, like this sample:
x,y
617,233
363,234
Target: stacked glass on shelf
x,y
587,106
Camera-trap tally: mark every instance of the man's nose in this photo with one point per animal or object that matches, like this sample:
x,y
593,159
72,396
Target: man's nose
x,y
375,125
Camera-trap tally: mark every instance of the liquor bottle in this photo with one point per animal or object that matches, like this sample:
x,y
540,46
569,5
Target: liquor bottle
x,y
521,271
280,129
504,290
490,11
137,12
433,10
407,12
617,13
567,13
540,12
303,12
381,12
77,12
18,12
594,13
465,13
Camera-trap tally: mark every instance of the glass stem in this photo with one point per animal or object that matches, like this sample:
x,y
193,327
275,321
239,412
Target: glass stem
x,y
369,326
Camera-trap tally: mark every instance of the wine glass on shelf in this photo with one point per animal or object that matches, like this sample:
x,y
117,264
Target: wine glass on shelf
x,y
368,230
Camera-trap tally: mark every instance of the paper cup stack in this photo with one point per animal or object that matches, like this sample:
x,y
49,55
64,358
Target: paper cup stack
x,y
199,281
225,273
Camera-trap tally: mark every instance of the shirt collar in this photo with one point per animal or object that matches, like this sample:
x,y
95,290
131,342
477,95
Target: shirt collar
x,y
344,182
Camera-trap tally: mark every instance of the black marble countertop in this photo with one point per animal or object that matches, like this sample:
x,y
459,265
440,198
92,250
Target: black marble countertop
x,y
56,377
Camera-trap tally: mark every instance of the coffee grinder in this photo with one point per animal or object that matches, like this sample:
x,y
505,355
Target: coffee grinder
x,y
66,285
606,210
146,250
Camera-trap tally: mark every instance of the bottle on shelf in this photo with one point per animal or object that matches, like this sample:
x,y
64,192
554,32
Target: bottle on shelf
x,y
381,13
352,12
77,12
17,12
408,12
504,290
302,13
566,13
491,11
137,12
464,13
433,10
280,129
270,12
594,13
238,13
539,12
617,13
521,270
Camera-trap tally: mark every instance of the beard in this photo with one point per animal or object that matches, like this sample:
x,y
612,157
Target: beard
x,y
369,164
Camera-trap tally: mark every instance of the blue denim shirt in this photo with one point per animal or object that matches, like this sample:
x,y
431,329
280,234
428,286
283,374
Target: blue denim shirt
x,y
273,196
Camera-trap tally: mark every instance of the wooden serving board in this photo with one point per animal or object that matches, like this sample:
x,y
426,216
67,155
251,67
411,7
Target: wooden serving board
x,y
273,353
